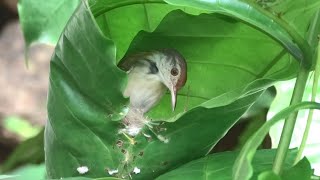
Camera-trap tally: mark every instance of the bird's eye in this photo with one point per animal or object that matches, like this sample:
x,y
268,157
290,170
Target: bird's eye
x,y
174,71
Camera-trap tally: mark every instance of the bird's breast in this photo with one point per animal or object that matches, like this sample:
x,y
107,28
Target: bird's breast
x,y
144,90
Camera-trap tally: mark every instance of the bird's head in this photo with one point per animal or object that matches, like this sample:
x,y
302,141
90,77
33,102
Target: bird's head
x,y
172,70
167,65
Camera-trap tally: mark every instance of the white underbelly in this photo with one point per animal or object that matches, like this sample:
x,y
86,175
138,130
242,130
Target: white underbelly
x,y
144,93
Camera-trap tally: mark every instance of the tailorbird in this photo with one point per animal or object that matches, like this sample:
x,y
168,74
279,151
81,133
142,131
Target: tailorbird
x,y
150,74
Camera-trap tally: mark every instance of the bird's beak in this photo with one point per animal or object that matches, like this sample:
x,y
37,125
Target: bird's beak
x,y
173,91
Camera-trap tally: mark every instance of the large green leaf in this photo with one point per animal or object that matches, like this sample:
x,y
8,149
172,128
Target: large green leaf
x,y
43,21
85,97
188,134
113,16
212,36
294,13
80,126
213,55
122,20
219,166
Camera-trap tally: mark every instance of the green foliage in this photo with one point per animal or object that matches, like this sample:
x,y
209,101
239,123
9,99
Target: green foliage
x,y
208,64
284,92
234,50
301,171
92,134
313,99
243,167
29,151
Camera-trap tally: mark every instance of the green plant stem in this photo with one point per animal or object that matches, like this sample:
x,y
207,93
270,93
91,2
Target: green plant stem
x,y
310,115
290,121
242,168
298,91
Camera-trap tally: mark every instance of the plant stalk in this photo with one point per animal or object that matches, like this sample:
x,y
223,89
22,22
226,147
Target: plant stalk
x,y
290,121
298,92
310,115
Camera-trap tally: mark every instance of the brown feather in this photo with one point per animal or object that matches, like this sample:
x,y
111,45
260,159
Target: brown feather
x,y
128,61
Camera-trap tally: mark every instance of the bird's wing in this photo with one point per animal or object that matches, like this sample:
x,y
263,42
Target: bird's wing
x,y
127,62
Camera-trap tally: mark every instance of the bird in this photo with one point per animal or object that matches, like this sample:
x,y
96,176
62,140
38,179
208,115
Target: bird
x,y
150,75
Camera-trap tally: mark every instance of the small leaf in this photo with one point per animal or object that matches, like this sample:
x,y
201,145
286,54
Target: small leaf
x,y
301,171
